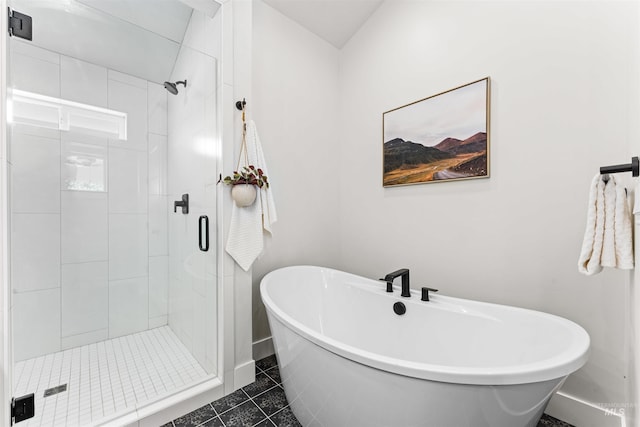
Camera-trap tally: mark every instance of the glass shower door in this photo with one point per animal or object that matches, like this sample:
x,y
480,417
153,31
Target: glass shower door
x,y
114,294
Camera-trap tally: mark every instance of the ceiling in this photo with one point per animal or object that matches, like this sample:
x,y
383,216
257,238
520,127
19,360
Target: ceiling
x,y
143,37
335,21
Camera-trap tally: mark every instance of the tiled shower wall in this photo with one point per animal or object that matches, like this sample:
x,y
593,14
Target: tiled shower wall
x,y
89,214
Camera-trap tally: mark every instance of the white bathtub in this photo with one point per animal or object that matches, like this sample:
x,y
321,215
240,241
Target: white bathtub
x,y
347,359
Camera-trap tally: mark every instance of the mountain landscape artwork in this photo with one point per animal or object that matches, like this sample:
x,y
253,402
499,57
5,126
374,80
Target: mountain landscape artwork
x,y
440,138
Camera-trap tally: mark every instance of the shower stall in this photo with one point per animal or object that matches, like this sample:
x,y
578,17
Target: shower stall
x,y
113,214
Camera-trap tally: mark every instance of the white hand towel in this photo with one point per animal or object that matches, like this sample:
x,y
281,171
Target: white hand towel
x,y
636,203
608,239
589,262
246,240
269,215
608,256
623,231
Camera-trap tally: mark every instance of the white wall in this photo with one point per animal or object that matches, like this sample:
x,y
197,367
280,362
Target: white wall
x,y
563,104
193,147
295,107
82,252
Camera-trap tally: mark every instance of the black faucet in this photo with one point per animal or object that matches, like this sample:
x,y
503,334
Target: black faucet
x,y
404,272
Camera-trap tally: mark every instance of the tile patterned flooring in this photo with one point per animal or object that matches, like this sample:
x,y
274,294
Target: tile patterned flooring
x,y
263,404
105,377
260,404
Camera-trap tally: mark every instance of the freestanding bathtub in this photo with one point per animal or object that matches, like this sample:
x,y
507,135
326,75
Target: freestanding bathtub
x,y
347,360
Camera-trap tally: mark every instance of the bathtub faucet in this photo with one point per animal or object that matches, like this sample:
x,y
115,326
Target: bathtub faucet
x,y
404,272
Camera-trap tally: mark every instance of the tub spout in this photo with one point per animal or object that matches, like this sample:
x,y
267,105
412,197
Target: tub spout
x,y
404,272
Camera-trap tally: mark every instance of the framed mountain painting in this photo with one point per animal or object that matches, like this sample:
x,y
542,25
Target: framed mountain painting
x,y
440,138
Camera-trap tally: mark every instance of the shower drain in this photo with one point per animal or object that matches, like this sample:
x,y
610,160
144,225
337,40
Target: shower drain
x,y
55,390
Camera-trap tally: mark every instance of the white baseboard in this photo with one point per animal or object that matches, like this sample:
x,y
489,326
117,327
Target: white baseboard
x,y
263,348
244,374
580,413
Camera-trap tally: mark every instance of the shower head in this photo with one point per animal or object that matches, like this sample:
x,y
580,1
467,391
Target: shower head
x,y
172,87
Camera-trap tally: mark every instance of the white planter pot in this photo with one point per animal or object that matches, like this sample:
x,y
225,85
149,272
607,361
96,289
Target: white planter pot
x,y
243,194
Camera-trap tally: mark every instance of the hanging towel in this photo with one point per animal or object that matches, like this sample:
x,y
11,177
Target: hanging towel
x,y
608,256
246,240
608,235
636,203
623,231
269,215
589,262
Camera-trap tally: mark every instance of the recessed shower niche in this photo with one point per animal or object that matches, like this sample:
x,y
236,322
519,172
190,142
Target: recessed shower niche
x,y
114,304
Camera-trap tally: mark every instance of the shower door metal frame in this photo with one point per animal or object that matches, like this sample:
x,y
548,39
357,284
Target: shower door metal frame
x,y
6,360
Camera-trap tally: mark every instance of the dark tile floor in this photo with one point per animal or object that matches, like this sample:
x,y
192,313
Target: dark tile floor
x,y
263,404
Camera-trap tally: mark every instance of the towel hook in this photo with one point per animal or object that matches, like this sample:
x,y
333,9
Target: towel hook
x,y
240,105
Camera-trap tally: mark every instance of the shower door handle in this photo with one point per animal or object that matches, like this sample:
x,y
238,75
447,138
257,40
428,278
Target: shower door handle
x,y
203,219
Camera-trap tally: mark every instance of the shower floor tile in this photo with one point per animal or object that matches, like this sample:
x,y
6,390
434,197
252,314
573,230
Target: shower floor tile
x,y
263,404
105,377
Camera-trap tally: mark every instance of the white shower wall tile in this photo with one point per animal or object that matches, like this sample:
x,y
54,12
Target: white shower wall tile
x,y
85,296
84,138
128,181
38,72
128,79
200,330
213,147
195,36
202,33
36,323
133,101
29,49
158,286
84,227
35,246
106,377
74,341
128,306
157,106
128,246
158,164
36,174
211,338
18,128
83,82
156,322
159,207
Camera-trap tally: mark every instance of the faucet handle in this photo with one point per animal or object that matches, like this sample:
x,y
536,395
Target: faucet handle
x,y
389,284
425,293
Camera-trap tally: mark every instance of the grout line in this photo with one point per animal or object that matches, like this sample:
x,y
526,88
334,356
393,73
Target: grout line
x,y
263,392
114,372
